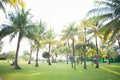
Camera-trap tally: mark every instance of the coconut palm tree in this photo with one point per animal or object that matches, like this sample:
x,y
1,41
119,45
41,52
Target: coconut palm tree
x,y
50,35
108,12
41,27
84,24
71,31
19,26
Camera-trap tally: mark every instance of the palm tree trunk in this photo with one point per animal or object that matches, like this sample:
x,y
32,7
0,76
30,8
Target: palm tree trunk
x,y
74,63
68,44
118,42
85,59
16,55
36,65
85,50
92,59
97,57
49,63
81,58
67,59
108,58
29,62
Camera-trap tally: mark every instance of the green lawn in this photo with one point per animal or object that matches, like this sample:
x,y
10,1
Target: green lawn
x,y
60,71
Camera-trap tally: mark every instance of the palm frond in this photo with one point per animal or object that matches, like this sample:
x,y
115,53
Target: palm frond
x,y
2,7
7,30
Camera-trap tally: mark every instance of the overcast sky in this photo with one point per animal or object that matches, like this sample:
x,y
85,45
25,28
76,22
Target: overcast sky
x,y
56,14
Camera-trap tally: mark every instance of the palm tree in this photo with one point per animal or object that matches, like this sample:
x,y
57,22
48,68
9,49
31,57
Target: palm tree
x,y
49,39
92,25
19,26
41,26
84,24
108,12
71,31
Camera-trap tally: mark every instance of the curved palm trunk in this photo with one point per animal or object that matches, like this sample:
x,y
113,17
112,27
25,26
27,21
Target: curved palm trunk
x,y
49,63
97,57
16,55
36,65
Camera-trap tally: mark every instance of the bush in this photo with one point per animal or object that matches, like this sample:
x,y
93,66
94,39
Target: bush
x,y
45,54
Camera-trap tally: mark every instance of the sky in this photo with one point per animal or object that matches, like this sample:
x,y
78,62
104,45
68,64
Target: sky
x,y
55,13
59,13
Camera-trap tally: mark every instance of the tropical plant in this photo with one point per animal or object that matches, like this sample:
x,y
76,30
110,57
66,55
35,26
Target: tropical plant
x,y
50,36
108,12
41,27
20,26
83,25
25,56
45,54
11,56
91,51
71,31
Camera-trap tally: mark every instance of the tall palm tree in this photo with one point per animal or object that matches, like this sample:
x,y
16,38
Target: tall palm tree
x,y
19,26
71,31
41,27
50,35
109,14
84,24
92,25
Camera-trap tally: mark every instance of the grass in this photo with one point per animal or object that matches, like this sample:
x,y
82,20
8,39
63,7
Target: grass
x,y
60,71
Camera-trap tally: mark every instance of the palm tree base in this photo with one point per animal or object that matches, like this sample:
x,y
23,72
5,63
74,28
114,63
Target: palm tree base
x,y
29,62
97,66
36,66
17,67
49,64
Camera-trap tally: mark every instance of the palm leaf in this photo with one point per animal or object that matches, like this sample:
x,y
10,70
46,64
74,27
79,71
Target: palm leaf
x,y
7,30
2,7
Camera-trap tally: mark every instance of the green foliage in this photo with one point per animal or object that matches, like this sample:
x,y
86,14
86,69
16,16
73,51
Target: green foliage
x,y
45,54
11,55
25,55
3,56
108,16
